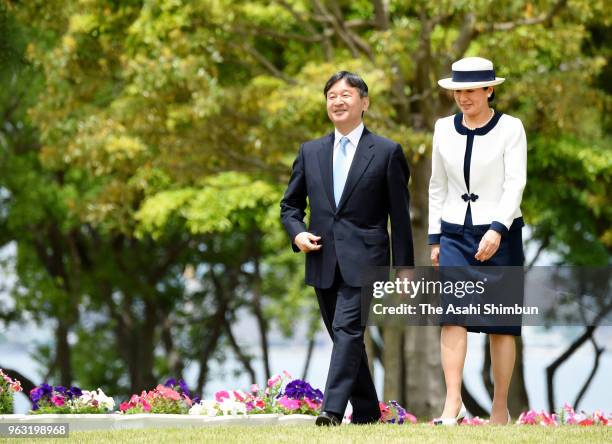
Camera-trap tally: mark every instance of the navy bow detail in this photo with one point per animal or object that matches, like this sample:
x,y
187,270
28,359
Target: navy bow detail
x,y
473,197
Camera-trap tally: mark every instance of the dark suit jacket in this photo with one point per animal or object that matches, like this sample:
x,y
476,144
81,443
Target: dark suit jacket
x,y
354,235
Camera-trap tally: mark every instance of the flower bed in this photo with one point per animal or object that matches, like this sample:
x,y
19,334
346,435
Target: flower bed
x,y
49,399
283,401
294,397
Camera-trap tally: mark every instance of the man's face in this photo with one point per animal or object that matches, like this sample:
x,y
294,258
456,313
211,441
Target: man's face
x,y
345,105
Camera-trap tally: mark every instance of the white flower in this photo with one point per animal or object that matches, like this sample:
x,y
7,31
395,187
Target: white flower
x,y
105,401
95,399
204,407
232,407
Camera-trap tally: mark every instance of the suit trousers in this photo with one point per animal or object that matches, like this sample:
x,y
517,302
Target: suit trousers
x,y
348,377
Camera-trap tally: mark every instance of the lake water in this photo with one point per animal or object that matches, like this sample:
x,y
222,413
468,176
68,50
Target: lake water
x,y
541,348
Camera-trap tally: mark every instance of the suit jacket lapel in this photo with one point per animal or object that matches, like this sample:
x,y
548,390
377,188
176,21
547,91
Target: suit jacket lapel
x,y
363,157
326,160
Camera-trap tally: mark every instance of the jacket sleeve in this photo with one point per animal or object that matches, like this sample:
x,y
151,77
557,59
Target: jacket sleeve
x,y
438,189
293,204
515,178
399,208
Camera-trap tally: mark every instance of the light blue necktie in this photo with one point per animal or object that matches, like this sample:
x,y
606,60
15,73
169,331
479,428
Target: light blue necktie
x,y
341,168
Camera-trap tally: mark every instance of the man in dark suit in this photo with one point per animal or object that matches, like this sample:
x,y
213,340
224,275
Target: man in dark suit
x,y
355,181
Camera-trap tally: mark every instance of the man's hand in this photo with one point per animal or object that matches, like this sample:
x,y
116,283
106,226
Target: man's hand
x,y
488,245
435,255
405,273
307,242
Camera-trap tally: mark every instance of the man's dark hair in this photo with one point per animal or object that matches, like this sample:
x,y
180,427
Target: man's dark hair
x,y
352,79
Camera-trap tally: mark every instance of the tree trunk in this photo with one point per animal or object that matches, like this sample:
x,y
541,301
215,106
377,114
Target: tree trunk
x,y
309,350
424,384
392,359
518,401
62,354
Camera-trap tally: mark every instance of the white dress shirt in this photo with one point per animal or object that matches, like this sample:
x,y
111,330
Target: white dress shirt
x,y
351,147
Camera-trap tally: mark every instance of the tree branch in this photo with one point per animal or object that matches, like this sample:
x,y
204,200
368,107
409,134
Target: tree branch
x,y
465,37
328,49
244,359
542,18
266,63
552,368
381,14
598,352
336,24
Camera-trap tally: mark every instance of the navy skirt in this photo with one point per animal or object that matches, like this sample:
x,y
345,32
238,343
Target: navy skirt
x,y
458,245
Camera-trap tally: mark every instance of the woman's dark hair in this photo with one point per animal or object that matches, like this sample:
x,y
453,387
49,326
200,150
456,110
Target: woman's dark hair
x,y
491,97
352,79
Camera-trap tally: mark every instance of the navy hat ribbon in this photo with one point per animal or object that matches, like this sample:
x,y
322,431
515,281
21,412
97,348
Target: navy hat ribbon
x,y
474,76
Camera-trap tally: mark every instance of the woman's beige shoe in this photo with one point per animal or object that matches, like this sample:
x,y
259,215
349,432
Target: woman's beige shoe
x,y
451,421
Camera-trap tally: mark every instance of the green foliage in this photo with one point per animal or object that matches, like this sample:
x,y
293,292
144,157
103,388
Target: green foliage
x,y
143,139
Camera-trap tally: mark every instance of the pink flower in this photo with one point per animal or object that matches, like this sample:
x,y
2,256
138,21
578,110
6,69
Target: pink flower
x,y
57,400
221,395
254,388
385,412
600,418
532,417
474,421
273,380
238,396
410,417
289,404
124,406
287,374
168,393
548,419
528,418
312,404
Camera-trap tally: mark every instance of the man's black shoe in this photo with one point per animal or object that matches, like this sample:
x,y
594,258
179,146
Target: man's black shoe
x,y
327,419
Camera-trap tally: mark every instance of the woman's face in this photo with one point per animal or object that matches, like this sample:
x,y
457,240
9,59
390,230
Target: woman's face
x,y
473,102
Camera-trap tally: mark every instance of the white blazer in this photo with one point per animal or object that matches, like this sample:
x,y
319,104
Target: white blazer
x,y
497,173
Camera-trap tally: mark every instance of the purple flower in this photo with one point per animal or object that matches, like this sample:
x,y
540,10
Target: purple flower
x,y
171,382
74,392
45,389
401,411
298,389
184,388
40,393
45,393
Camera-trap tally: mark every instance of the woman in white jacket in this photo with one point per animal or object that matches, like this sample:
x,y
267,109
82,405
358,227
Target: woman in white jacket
x,y
479,171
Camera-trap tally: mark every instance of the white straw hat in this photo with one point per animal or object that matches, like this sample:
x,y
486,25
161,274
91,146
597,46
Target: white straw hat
x,y
470,73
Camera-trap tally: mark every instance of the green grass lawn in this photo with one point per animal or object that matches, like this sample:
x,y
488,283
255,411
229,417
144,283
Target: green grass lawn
x,y
421,433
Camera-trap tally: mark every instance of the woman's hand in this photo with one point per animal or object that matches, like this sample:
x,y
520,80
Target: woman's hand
x,y
435,255
488,245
